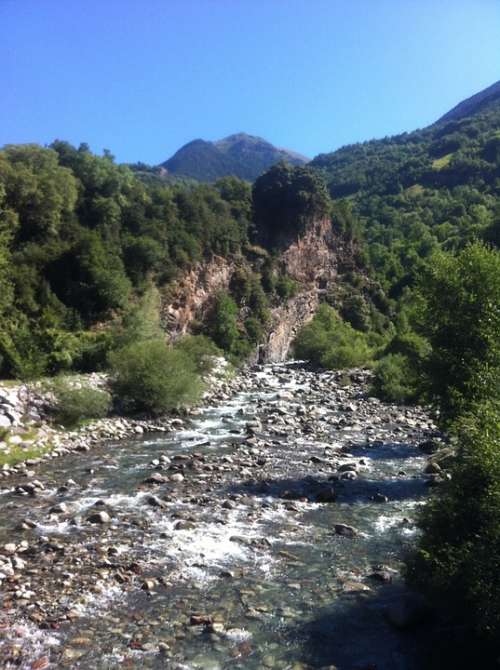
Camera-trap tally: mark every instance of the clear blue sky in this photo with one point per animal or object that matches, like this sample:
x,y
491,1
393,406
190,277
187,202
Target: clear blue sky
x,y
142,77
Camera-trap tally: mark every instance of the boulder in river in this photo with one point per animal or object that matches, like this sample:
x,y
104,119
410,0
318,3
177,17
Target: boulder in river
x,y
345,530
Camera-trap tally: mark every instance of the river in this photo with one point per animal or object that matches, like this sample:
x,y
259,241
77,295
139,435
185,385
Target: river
x,y
266,532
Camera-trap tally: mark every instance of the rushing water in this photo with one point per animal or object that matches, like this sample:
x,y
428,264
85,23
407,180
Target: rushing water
x,y
237,565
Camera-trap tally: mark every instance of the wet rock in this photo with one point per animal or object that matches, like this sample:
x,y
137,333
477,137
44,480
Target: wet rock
x,y
184,525
348,467
177,477
99,518
149,584
429,446
326,495
200,619
380,498
61,508
345,530
156,478
432,469
153,501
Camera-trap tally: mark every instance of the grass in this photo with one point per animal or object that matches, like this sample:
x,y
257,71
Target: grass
x,y
17,454
414,191
441,163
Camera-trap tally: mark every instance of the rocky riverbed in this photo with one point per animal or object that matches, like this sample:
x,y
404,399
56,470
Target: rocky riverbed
x,y
265,530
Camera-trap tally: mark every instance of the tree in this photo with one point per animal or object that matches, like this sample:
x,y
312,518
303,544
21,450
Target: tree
x,y
222,323
286,199
460,316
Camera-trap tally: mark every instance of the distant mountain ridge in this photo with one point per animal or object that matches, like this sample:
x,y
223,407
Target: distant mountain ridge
x,y
240,155
474,104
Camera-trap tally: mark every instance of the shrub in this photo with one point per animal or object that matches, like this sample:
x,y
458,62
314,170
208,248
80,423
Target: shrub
x,y
395,379
154,377
286,287
330,342
200,350
398,374
222,322
77,402
458,554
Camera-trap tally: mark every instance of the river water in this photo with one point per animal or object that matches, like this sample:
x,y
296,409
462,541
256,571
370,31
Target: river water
x,y
231,559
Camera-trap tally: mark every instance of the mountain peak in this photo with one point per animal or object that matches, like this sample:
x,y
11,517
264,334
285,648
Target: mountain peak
x,y
242,155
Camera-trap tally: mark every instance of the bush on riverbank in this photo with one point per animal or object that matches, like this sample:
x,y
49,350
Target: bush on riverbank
x,y
154,377
76,403
201,351
458,555
330,342
398,374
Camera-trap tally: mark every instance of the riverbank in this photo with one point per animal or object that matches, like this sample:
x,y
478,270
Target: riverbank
x,y
266,532
29,435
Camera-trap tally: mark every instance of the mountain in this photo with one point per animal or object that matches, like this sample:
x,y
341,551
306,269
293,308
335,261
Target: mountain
x,y
241,155
473,104
413,193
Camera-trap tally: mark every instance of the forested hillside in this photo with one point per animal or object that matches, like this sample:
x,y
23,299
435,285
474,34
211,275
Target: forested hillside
x,y
81,235
83,241
414,193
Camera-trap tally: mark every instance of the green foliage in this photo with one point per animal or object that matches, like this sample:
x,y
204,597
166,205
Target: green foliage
x,y
140,321
395,380
222,323
460,316
81,238
398,373
286,287
458,555
285,200
153,377
332,343
419,191
200,350
75,401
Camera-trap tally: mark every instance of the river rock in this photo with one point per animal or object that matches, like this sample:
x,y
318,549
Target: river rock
x,y
99,517
326,495
345,530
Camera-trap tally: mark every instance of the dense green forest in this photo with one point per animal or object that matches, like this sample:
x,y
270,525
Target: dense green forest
x,y
414,193
81,235
82,239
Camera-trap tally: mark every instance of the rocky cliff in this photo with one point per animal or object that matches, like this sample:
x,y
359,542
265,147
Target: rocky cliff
x,y
313,261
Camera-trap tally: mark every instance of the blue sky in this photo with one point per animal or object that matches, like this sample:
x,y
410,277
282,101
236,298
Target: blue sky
x,y
142,77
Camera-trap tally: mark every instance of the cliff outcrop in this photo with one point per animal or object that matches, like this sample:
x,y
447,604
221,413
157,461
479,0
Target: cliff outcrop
x,y
313,261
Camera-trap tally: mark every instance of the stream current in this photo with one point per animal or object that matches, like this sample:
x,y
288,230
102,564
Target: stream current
x,y
268,531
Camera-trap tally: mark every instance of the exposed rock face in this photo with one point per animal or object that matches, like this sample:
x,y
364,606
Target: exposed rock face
x,y
192,294
286,322
313,261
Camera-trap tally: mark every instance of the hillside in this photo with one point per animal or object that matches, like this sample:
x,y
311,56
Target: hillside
x,y
240,155
473,104
415,192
